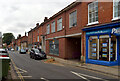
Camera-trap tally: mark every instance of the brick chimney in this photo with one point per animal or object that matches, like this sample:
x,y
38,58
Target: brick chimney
x,y
37,24
46,18
25,34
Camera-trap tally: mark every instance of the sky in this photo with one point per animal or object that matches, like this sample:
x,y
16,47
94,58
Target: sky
x,y
18,16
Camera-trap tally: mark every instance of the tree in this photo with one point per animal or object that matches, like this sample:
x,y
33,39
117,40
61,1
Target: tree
x,y
7,38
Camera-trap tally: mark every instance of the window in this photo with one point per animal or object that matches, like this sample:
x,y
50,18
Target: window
x,y
93,12
54,47
38,31
116,9
38,38
93,47
59,24
53,27
48,29
103,48
73,19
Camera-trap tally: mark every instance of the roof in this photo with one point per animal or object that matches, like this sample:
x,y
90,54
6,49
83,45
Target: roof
x,y
63,10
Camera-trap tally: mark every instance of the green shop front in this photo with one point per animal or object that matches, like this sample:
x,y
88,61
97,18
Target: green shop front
x,y
103,44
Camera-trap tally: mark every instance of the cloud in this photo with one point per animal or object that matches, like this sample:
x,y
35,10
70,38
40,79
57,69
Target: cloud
x,y
18,16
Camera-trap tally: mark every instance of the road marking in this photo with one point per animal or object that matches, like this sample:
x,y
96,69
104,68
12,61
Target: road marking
x,y
92,77
44,79
79,75
27,76
19,74
22,70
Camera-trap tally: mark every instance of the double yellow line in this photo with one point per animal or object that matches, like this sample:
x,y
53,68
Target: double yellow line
x,y
17,71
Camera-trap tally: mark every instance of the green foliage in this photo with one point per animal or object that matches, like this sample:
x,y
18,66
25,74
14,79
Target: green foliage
x,y
7,38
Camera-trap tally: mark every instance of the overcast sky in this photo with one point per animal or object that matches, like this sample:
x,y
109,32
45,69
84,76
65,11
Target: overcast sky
x,y
18,16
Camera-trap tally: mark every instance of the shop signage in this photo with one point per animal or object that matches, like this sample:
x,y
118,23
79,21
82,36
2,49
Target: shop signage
x,y
116,30
98,31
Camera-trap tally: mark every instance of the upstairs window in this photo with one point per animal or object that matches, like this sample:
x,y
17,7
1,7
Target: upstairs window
x,y
38,38
59,24
53,27
73,19
116,9
48,29
93,12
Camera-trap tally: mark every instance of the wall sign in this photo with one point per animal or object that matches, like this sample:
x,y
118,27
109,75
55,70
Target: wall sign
x,y
110,30
116,30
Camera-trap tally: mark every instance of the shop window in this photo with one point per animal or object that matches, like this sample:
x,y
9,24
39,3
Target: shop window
x,y
104,48
93,44
54,47
119,45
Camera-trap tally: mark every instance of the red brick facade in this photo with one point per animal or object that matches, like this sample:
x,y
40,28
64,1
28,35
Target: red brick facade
x,y
72,43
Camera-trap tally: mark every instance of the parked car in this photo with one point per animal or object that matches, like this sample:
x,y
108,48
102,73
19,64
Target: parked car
x,y
12,49
22,51
37,54
3,53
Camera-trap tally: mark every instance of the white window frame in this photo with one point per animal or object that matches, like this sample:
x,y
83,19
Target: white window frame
x,y
58,24
53,27
91,23
38,38
71,14
48,29
114,18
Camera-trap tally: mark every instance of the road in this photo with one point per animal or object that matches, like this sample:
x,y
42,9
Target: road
x,y
27,68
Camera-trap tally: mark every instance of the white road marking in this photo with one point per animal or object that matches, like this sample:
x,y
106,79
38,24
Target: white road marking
x,y
26,76
22,70
44,79
80,76
92,77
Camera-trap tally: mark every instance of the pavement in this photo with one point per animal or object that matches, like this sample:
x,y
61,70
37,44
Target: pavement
x,y
111,70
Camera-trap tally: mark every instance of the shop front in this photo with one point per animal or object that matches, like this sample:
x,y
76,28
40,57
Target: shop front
x,y
103,44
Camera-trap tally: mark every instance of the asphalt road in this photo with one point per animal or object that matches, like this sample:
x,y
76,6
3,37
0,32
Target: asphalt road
x,y
30,69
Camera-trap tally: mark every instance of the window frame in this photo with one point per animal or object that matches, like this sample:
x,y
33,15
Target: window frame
x,y
53,27
96,22
58,23
48,29
115,18
38,38
72,14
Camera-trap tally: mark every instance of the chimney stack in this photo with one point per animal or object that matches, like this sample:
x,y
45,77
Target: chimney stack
x,y
46,18
37,24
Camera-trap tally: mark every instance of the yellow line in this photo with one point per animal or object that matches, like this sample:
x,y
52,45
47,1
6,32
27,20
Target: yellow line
x,y
17,71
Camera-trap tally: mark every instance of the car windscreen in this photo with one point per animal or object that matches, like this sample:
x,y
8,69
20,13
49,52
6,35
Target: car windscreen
x,y
36,51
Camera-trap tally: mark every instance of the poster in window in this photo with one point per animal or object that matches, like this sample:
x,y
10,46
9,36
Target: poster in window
x,y
104,55
94,45
111,55
111,50
104,50
94,49
93,54
111,44
104,44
